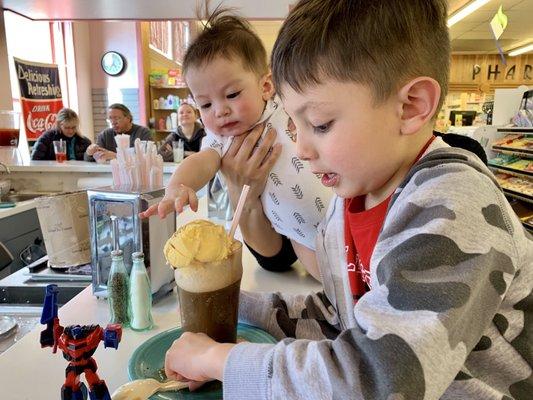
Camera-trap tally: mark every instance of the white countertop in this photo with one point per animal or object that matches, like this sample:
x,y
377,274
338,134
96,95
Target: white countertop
x,y
73,166
29,372
20,206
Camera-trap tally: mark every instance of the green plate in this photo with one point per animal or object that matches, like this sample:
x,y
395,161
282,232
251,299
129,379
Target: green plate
x,y
149,358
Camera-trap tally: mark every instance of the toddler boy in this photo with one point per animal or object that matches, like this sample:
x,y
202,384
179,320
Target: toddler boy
x,y
226,70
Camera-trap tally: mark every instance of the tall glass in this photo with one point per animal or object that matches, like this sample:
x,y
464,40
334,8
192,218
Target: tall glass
x,y
178,150
209,296
60,150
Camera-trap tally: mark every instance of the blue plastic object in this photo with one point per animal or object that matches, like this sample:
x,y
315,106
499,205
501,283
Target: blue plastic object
x,y
112,336
50,304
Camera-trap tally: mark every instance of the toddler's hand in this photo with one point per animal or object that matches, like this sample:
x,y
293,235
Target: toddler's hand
x,y
174,199
182,196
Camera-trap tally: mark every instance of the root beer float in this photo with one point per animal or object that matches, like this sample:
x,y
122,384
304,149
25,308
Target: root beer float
x,y
208,269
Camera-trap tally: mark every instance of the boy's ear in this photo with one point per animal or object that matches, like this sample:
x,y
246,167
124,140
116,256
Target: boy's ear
x,y
267,86
419,99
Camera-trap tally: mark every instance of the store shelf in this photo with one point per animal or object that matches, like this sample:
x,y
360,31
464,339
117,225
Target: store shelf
x,y
509,150
516,129
158,92
512,170
516,142
518,195
168,87
505,169
528,226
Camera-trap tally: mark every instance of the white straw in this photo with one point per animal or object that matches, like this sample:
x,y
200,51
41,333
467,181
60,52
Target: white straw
x,y
238,210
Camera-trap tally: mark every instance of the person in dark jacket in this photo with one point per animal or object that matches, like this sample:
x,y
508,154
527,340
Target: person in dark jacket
x,y
121,120
189,130
66,128
463,142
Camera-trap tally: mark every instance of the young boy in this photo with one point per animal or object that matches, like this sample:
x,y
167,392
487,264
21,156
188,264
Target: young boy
x,y
226,70
440,304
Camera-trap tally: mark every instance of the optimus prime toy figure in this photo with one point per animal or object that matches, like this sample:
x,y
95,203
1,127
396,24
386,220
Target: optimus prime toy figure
x,y
78,343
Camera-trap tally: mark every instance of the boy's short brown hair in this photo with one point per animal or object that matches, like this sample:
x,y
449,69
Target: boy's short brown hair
x,y
379,43
230,37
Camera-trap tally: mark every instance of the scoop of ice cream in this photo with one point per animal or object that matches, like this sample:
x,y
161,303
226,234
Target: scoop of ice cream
x,y
199,240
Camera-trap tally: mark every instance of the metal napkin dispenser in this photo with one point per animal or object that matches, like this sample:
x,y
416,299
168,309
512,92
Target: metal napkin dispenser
x,y
134,234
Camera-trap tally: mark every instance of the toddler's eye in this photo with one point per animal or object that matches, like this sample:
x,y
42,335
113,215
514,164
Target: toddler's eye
x,y
205,106
324,128
233,95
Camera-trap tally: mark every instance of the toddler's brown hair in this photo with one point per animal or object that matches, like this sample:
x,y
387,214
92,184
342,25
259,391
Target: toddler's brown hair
x,y
229,36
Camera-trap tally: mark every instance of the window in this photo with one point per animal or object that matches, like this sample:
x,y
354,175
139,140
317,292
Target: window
x,y
170,38
49,43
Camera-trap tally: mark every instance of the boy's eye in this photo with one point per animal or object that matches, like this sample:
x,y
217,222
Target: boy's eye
x,y
205,106
324,128
233,95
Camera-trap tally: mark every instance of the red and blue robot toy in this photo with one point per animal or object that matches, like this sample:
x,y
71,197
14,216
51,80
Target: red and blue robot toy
x,y
78,343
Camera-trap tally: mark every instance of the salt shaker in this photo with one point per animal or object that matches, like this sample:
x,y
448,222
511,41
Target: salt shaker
x,y
117,289
140,295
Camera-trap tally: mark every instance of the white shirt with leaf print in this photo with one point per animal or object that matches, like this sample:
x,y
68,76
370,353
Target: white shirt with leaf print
x,y
294,200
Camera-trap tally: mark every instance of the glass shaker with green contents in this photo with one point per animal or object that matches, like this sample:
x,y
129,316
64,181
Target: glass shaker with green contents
x,y
117,290
140,295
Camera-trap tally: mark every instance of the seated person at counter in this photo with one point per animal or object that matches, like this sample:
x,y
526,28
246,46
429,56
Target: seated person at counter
x,y
66,128
189,130
121,123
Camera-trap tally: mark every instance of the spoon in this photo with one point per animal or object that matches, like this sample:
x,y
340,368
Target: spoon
x,y
142,389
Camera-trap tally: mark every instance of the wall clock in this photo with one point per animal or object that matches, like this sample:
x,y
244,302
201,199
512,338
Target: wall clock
x,y
113,63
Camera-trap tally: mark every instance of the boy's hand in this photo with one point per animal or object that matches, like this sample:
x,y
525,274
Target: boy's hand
x,y
197,358
174,199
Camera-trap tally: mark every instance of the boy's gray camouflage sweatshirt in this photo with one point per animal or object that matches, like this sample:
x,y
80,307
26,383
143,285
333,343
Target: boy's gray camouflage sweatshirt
x,y
449,314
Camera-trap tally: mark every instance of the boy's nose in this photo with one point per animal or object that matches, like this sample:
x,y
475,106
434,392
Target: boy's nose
x,y
304,149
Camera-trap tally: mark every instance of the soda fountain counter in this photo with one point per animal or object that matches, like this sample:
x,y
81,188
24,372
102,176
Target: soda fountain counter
x,y
52,176
30,372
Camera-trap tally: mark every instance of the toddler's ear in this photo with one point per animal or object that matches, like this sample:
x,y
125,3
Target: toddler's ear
x,y
267,86
419,99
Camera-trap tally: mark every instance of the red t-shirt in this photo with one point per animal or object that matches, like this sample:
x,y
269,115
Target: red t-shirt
x,y
361,231
362,227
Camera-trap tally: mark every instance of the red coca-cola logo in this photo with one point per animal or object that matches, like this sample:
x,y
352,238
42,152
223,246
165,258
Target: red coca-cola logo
x,y
40,124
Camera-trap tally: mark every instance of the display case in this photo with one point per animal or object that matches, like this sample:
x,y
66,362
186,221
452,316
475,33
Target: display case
x,y
513,167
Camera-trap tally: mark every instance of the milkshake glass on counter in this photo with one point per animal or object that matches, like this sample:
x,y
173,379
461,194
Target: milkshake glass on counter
x,y
208,271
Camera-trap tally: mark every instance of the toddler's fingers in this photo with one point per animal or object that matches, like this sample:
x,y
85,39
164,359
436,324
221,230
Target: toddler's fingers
x,y
193,200
149,211
164,208
178,206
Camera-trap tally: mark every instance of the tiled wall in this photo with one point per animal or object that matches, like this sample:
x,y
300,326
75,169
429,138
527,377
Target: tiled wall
x,y
100,98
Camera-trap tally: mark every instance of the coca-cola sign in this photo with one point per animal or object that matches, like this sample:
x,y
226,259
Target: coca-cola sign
x,y
40,123
40,96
